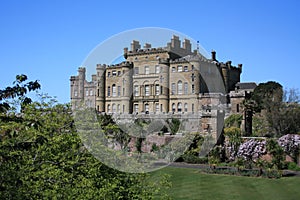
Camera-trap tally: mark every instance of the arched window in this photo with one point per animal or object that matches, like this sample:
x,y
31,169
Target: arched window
x,y
119,108
179,87
185,107
108,108
173,107
179,107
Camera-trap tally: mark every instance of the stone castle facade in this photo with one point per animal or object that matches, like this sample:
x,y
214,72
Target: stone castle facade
x,y
170,79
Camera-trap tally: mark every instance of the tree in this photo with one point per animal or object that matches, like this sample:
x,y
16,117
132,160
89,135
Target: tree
x,y
19,89
282,117
42,157
291,95
277,153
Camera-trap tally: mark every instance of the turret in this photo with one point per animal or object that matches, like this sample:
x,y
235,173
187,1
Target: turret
x,y
100,88
81,77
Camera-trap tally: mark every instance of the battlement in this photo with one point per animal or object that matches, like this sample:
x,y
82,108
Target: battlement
x,y
174,46
120,65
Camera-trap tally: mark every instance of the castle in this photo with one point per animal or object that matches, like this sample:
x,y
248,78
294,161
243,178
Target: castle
x,y
170,79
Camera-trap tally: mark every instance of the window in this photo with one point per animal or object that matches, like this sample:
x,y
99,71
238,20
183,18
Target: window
x,y
157,89
185,68
108,74
147,70
237,107
157,69
119,73
98,92
179,107
173,107
108,91
114,73
147,90
123,108
193,68
193,77
123,91
173,88
86,92
119,108
136,70
146,107
136,108
161,107
173,69
136,90
179,68
119,90
75,93
179,87
114,108
108,108
161,89
114,92
185,107
186,88
192,107
91,93
157,107
193,89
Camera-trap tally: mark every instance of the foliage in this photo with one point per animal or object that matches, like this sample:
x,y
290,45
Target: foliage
x,y
291,145
190,158
215,155
267,95
293,166
277,153
19,89
174,125
259,126
233,120
234,141
42,157
251,151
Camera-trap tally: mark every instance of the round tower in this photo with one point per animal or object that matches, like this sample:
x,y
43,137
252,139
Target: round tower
x,y
81,79
164,85
127,81
100,88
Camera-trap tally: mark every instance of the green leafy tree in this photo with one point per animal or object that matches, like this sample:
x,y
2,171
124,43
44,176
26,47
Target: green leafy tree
x,y
42,157
277,153
18,90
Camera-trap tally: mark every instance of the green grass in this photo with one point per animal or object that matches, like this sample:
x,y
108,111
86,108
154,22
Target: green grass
x,y
191,184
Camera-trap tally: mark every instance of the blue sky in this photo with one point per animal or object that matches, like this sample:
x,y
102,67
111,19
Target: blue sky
x,y
49,40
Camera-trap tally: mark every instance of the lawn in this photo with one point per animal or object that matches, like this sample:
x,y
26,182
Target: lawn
x,y
191,184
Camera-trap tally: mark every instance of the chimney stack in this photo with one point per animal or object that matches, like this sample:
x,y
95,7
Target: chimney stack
x,y
213,55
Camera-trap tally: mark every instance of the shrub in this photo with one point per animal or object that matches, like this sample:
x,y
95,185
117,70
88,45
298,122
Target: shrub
x,y
190,158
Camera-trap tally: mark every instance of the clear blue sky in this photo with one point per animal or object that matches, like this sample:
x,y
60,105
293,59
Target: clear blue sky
x,y
49,40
